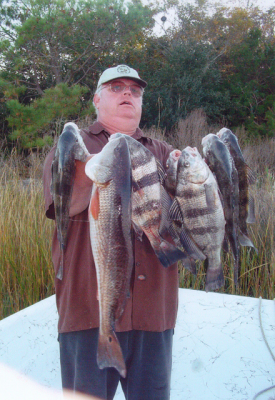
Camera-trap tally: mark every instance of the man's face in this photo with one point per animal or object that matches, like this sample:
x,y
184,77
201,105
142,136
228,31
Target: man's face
x,y
118,106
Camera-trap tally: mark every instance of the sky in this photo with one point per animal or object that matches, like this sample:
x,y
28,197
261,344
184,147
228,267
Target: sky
x,y
262,4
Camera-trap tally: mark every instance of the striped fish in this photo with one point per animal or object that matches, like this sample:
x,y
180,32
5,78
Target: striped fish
x,y
198,207
219,160
70,147
246,177
150,202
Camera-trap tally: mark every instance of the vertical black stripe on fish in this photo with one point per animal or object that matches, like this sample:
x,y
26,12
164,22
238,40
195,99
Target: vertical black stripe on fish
x,y
147,180
141,160
204,230
146,207
197,212
187,193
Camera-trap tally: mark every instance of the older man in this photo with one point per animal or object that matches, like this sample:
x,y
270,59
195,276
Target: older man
x,y
145,329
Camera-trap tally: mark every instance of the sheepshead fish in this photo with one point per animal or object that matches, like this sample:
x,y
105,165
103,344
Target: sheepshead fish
x,y
150,201
219,160
198,207
70,147
246,177
170,182
110,231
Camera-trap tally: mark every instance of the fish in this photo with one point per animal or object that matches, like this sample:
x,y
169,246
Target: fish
x,y
246,177
151,202
110,231
70,147
220,162
170,181
198,207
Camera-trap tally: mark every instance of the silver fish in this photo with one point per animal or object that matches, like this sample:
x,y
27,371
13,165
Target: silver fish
x,y
221,163
150,201
246,177
110,231
198,207
70,147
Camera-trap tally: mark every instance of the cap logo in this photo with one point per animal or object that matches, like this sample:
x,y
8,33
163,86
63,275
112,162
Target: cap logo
x,y
123,69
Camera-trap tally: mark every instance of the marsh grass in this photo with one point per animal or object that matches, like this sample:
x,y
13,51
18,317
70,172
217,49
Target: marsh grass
x,y
26,274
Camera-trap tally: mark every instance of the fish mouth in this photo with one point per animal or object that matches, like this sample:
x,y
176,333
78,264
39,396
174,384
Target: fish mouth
x,y
193,151
176,155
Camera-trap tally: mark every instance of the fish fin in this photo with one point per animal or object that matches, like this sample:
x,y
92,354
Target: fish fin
x,y
138,231
166,202
251,175
135,186
210,196
94,204
161,171
190,264
175,213
59,274
251,210
168,253
109,353
190,246
245,241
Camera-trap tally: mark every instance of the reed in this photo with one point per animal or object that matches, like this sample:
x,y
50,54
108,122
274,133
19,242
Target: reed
x,y
26,273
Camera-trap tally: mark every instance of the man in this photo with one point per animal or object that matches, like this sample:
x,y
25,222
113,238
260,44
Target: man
x,y
145,329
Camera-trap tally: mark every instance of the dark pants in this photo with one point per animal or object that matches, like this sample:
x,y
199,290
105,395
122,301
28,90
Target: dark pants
x,y
148,358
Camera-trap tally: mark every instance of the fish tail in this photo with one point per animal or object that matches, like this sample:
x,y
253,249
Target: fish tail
x,y
236,271
214,278
109,353
168,253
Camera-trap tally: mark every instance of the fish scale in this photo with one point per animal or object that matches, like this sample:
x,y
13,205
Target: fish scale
x,y
110,231
197,190
149,201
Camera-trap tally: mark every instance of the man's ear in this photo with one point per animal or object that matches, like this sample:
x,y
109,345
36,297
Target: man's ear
x,y
96,100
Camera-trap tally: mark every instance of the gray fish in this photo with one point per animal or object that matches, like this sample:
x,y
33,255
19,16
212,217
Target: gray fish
x,y
246,177
110,230
198,207
70,147
170,182
219,160
150,201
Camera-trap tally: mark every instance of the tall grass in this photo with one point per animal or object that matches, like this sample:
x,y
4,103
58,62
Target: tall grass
x,y
26,273
257,271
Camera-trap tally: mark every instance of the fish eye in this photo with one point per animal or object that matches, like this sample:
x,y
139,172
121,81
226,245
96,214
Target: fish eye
x,y
186,164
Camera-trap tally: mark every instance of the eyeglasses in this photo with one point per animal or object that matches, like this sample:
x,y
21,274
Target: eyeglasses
x,y
118,87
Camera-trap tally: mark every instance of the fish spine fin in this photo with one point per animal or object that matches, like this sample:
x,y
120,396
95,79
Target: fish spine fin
x,y
109,353
168,254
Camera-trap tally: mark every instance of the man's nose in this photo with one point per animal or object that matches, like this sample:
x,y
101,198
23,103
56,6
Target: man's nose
x,y
127,90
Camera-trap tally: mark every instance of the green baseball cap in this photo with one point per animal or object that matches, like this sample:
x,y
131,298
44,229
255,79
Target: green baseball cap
x,y
120,71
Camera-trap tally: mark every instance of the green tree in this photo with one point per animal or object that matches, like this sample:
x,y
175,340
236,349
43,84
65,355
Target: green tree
x,y
45,43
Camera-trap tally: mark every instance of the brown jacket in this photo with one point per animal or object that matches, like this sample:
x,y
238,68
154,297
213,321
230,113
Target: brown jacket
x,y
153,301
